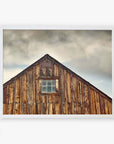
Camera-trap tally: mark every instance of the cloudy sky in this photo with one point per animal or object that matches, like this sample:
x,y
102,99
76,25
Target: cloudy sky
x,y
87,52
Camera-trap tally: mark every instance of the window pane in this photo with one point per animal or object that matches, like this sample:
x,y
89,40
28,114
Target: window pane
x,y
43,89
53,89
48,86
48,89
43,82
53,82
49,83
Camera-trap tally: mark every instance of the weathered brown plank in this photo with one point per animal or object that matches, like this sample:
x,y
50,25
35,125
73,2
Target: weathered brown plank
x,y
69,108
50,71
109,107
24,97
43,98
50,108
50,98
76,95
34,98
102,104
21,94
10,108
106,106
4,109
39,108
74,108
69,87
54,108
24,108
94,106
30,92
5,100
47,105
37,71
57,108
44,72
62,90
82,99
11,97
86,99
17,108
56,70
30,108
37,89
78,98
65,93
73,89
38,97
93,111
97,102
54,97
8,94
64,107
24,93
17,92
43,108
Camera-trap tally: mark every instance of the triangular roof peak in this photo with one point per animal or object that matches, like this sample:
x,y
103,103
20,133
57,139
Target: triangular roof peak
x,y
47,56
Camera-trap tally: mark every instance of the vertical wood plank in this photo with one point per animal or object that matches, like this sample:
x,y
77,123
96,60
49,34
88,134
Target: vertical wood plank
x,y
39,108
30,92
10,108
34,105
106,106
69,87
62,90
57,108
97,103
37,83
4,109
78,98
86,100
109,107
56,70
5,101
21,95
16,109
82,99
92,101
50,108
17,92
102,104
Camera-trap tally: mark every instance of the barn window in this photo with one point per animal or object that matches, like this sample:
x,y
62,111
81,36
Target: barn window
x,y
49,86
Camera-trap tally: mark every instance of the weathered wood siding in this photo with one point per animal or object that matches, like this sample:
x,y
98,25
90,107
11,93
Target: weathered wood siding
x,y
22,95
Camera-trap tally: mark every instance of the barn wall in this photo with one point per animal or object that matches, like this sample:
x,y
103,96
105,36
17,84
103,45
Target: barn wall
x,y
22,94
81,98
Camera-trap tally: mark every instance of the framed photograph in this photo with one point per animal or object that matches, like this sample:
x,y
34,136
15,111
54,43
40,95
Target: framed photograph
x,y
57,72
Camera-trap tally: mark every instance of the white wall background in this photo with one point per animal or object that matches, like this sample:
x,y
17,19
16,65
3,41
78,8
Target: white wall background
x,y
63,13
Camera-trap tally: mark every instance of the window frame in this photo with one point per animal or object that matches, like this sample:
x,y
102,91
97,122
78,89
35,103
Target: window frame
x,y
49,86
57,86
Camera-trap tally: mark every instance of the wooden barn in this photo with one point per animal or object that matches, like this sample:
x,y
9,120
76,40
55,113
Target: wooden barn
x,y
48,87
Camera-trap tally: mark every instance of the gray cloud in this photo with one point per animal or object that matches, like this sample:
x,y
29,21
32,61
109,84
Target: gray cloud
x,y
87,50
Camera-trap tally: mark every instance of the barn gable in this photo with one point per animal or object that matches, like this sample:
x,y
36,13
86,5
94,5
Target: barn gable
x,y
48,87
